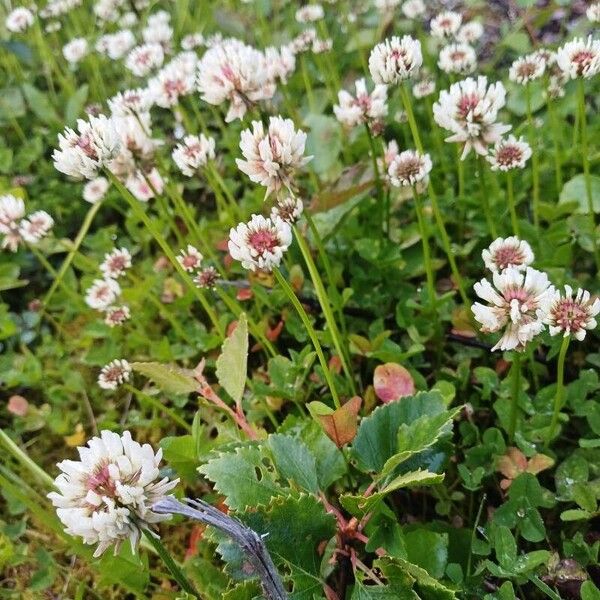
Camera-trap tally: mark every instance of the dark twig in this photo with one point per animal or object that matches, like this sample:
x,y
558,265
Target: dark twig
x,y
249,541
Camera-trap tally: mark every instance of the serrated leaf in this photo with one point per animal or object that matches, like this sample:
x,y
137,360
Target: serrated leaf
x,y
294,529
376,440
294,461
169,378
244,477
232,364
359,505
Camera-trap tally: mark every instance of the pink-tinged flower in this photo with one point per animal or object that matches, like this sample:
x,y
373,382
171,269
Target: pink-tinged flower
x,y
457,58
423,88
75,50
116,263
106,497
145,186
413,9
409,168
469,110
309,13
114,374
36,226
446,24
288,209
194,153
236,73
145,58
102,294
84,152
518,304
470,32
572,316
207,278
174,81
116,45
131,102
579,58
509,153
321,45
508,253
115,316
527,68
260,243
95,190
395,60
192,41
190,258
12,210
19,20
362,108
281,62
593,12
304,41
274,156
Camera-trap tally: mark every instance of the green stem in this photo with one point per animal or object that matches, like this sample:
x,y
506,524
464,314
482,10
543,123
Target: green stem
x,y
87,221
325,305
511,204
586,168
380,199
560,389
485,199
52,271
434,203
534,160
311,333
173,567
515,374
23,458
423,230
557,147
307,85
162,242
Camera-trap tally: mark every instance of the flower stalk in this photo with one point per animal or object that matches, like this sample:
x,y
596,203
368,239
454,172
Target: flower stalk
x,y
515,375
560,389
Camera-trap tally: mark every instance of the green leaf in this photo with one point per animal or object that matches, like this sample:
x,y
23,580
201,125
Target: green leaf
x,y
169,378
324,141
506,548
40,105
359,505
75,104
589,591
294,461
245,477
294,529
377,437
575,191
575,514
180,453
428,550
232,364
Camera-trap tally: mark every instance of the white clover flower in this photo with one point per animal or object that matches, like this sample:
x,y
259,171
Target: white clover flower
x,y
115,316
19,20
593,12
107,10
36,226
384,6
194,153
272,157
190,258
304,41
131,102
145,185
390,152
260,243
423,88
129,19
95,190
527,68
446,24
395,60
413,9
102,293
281,62
457,58
53,26
572,316
319,46
106,497
310,13
116,45
84,152
192,41
509,153
288,209
207,278
137,147
145,58
470,32
579,58
175,80
518,304
116,263
158,33
75,50
469,110
510,252
237,73
409,168
12,210
362,108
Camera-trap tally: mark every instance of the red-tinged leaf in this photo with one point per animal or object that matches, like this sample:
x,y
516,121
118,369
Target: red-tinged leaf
x,y
513,463
273,333
340,425
195,537
244,294
392,382
17,405
335,364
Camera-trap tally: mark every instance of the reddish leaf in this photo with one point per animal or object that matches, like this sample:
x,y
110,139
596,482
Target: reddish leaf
x,y
17,405
340,425
392,382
